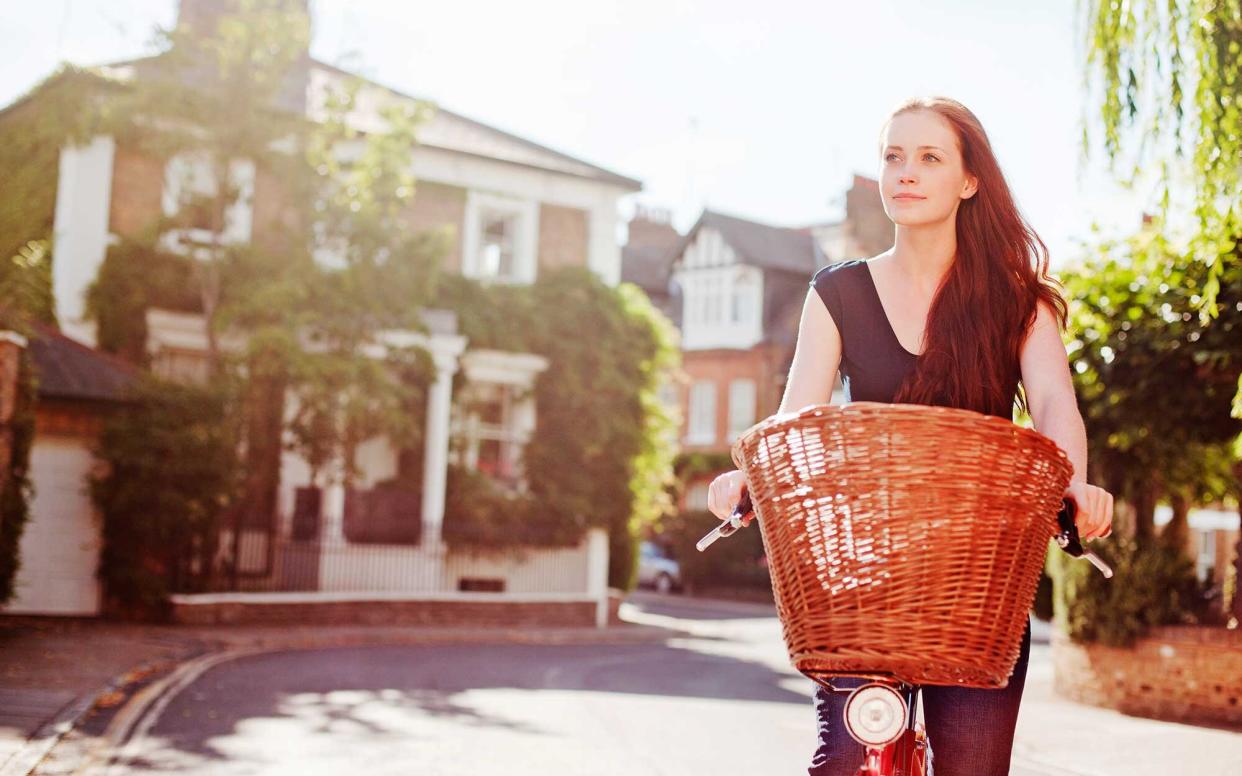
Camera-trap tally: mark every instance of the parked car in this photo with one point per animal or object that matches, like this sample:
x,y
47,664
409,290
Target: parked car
x,y
656,569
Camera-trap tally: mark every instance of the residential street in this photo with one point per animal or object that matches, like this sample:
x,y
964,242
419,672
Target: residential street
x,y
653,708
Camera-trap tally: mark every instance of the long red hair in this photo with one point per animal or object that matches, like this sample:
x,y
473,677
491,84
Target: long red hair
x,y
988,299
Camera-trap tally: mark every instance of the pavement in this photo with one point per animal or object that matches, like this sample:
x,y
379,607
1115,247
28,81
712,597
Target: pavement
x,y
73,690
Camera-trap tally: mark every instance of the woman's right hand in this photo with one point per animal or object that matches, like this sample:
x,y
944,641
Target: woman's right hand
x,y
724,493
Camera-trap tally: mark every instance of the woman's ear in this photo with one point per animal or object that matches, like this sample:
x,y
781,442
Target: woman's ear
x,y
970,187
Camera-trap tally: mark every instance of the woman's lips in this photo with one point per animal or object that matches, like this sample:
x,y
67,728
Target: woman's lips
x,y
907,196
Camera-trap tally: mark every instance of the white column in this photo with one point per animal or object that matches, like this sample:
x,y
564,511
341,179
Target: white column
x,y
80,230
436,447
333,528
597,573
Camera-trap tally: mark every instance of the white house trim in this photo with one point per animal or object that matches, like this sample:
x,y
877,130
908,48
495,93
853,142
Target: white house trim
x,y
599,199
80,230
710,277
1201,519
517,371
190,173
499,366
526,241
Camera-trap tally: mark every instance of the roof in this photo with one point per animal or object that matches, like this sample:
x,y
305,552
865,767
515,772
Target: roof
x,y
446,130
758,244
452,131
67,369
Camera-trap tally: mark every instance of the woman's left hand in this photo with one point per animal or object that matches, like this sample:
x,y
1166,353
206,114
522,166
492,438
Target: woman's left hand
x,y
1095,510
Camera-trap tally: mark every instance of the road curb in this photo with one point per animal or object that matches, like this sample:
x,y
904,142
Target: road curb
x,y
24,760
131,724
50,733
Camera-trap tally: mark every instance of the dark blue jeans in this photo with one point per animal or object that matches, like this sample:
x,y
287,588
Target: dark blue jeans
x,y
969,729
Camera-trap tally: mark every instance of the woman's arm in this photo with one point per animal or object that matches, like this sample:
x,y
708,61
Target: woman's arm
x,y
1054,410
817,356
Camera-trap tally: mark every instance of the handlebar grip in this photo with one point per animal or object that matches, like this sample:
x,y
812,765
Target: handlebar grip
x,y
742,514
1067,537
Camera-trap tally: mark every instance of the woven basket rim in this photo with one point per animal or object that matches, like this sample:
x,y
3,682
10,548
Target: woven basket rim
x,y
820,410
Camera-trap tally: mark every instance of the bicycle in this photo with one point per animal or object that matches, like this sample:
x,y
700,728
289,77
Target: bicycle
x,y
881,714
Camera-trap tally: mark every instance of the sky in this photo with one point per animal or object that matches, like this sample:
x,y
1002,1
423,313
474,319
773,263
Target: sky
x,y
765,111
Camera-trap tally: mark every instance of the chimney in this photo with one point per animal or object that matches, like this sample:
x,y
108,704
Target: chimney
x,y
202,17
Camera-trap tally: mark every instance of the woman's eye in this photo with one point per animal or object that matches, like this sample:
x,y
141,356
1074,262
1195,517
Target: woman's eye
x,y
889,156
930,156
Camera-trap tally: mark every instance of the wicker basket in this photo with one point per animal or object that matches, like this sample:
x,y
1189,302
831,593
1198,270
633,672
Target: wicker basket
x,y
903,540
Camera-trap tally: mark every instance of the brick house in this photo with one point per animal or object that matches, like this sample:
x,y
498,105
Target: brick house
x,y
734,288
508,209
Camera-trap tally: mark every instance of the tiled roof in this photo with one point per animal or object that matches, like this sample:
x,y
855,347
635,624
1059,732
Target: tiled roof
x,y
67,369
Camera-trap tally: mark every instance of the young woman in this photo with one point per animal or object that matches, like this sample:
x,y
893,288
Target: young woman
x,y
956,314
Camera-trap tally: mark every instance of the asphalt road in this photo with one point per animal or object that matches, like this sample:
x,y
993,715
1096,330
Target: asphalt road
x,y
491,709
720,699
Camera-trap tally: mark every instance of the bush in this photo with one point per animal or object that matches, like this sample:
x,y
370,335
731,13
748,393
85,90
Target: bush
x,y
480,517
170,473
736,561
1152,585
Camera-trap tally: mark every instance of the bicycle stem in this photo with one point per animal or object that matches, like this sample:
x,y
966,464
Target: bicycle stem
x,y
1066,538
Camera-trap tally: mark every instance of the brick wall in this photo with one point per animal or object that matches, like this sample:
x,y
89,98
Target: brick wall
x,y
437,206
137,188
137,199
408,612
763,364
563,235
1181,673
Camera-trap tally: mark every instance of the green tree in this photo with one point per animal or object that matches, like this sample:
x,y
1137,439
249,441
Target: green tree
x,y
212,99
1154,380
1167,70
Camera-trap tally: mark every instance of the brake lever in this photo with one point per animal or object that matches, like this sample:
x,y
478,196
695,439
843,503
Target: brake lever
x,y
741,517
1068,540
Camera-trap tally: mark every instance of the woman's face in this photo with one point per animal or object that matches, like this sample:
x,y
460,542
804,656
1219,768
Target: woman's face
x,y
922,179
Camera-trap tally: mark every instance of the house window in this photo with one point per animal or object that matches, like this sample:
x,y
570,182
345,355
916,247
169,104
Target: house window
x,y
1205,563
500,238
498,244
741,407
489,438
189,186
742,296
702,413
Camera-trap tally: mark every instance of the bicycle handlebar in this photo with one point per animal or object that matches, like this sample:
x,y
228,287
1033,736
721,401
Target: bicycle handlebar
x,y
1067,537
